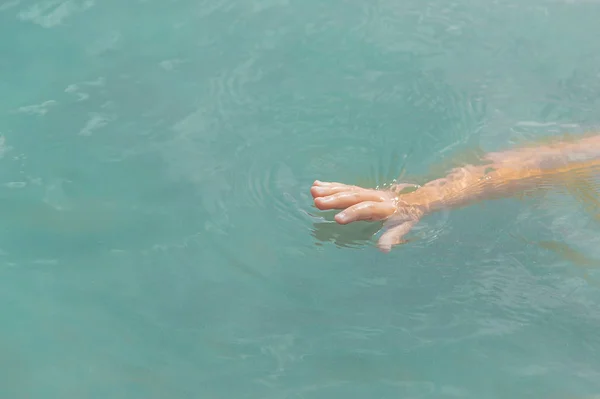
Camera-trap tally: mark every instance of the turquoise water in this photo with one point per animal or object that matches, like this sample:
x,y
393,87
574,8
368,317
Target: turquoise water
x,y
158,238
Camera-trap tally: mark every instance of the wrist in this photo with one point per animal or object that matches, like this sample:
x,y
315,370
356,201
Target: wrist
x,y
418,202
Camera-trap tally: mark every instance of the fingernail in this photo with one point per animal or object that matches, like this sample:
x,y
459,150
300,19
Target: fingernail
x,y
385,248
341,218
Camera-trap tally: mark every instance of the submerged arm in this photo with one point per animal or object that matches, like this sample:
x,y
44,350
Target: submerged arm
x,y
504,174
509,172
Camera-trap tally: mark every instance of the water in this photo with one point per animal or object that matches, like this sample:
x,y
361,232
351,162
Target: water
x,y
158,236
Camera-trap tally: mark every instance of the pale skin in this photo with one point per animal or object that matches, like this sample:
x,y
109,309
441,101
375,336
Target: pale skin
x,y
503,174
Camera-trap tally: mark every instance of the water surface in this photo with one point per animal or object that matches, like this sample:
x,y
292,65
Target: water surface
x,y
158,236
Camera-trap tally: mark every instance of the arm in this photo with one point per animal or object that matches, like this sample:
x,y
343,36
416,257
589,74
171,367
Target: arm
x,y
509,172
502,174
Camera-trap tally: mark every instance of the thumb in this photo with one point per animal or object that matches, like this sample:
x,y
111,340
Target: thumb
x,y
394,235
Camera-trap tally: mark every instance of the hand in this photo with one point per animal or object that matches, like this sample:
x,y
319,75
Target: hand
x,y
369,205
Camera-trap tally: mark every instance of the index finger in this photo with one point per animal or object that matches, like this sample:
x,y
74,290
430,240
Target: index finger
x,y
367,211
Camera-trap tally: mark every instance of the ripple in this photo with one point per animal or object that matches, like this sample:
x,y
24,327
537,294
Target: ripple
x,y
95,122
208,7
270,124
9,4
272,186
51,13
77,89
270,182
37,109
229,90
16,184
424,31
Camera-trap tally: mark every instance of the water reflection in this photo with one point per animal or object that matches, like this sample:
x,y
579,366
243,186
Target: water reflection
x,y
350,236
570,254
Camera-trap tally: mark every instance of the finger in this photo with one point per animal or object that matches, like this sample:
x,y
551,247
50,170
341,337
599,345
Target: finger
x,y
324,191
328,183
395,235
368,210
346,199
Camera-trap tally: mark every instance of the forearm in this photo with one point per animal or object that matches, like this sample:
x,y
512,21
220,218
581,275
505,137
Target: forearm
x,y
507,173
550,156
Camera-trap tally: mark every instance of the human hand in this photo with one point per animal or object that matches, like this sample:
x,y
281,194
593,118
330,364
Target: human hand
x,y
361,204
